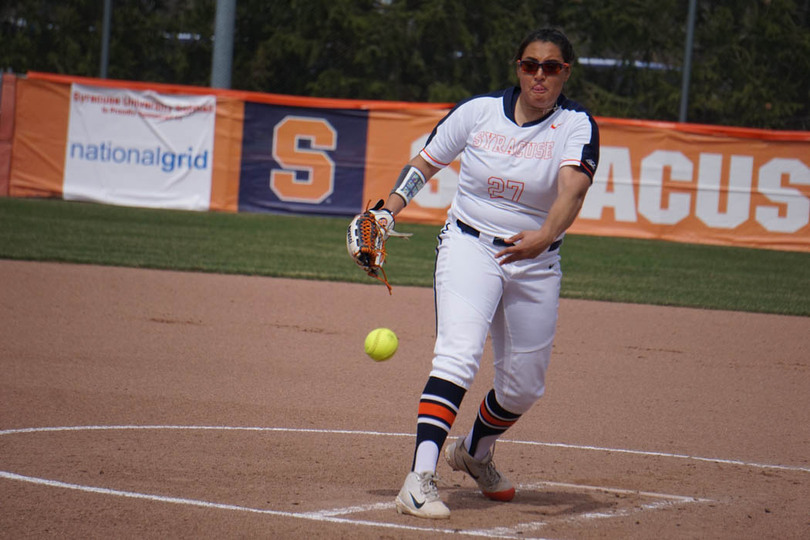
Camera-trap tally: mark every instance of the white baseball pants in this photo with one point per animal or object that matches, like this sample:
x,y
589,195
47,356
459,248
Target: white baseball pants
x,y
516,304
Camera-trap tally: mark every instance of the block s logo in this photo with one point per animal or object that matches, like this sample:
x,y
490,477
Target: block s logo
x,y
307,172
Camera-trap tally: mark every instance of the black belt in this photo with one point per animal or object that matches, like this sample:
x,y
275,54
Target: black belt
x,y
499,241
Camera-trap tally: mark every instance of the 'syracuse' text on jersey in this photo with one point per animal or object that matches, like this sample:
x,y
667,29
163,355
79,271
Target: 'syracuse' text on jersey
x,y
508,175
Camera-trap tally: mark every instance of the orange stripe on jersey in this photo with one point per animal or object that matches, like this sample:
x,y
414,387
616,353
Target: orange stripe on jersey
x,y
579,164
439,411
487,417
434,159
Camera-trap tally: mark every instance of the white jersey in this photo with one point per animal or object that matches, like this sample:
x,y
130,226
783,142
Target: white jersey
x,y
508,176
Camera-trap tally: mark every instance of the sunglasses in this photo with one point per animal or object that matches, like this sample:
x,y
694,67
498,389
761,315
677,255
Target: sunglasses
x,y
549,68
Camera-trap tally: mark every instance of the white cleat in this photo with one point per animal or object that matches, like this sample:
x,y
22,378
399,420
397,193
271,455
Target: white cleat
x,y
492,483
419,497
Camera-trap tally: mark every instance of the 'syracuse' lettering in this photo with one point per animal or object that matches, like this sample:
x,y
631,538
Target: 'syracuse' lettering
x,y
165,159
672,187
500,144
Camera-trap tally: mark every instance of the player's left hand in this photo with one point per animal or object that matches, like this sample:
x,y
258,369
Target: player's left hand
x,y
366,237
365,241
526,245
384,218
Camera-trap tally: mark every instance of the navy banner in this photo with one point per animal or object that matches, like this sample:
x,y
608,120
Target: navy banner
x,y
302,160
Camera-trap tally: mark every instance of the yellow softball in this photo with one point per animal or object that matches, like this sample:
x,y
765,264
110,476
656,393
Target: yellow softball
x,y
381,344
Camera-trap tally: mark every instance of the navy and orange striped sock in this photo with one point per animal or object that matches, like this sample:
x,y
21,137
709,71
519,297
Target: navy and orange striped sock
x,y
438,408
492,421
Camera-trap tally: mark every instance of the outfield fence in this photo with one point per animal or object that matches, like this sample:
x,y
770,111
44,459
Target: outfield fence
x,y
205,149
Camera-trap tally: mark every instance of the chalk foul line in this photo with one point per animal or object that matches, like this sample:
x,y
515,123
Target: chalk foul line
x,y
339,515
410,435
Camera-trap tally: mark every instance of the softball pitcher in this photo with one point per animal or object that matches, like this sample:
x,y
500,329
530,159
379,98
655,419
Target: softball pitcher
x,y
528,156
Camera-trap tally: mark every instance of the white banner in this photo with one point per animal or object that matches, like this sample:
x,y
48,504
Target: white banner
x,y
139,148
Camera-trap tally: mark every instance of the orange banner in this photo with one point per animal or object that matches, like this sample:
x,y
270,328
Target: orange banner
x,y
700,184
38,153
8,84
656,180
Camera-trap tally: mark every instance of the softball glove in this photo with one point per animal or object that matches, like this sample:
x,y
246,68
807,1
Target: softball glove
x,y
366,238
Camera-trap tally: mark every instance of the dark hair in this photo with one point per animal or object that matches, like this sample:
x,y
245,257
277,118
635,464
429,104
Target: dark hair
x,y
548,35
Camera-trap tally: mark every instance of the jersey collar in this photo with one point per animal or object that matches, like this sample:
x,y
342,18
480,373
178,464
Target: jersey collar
x,y
510,98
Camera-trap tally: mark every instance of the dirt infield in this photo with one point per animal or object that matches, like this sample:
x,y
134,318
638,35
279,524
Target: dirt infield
x,y
153,404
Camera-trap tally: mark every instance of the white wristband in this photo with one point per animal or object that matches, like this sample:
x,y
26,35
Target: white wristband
x,y
410,181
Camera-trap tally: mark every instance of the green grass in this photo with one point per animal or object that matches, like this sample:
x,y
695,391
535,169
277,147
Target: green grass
x,y
598,268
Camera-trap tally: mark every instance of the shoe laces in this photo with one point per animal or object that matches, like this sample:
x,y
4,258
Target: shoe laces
x,y
490,473
427,484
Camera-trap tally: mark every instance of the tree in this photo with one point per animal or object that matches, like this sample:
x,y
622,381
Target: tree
x,y
751,62
145,44
49,36
643,43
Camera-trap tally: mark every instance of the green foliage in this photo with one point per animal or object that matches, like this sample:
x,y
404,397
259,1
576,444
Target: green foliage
x,y
612,269
751,61
65,37
768,43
